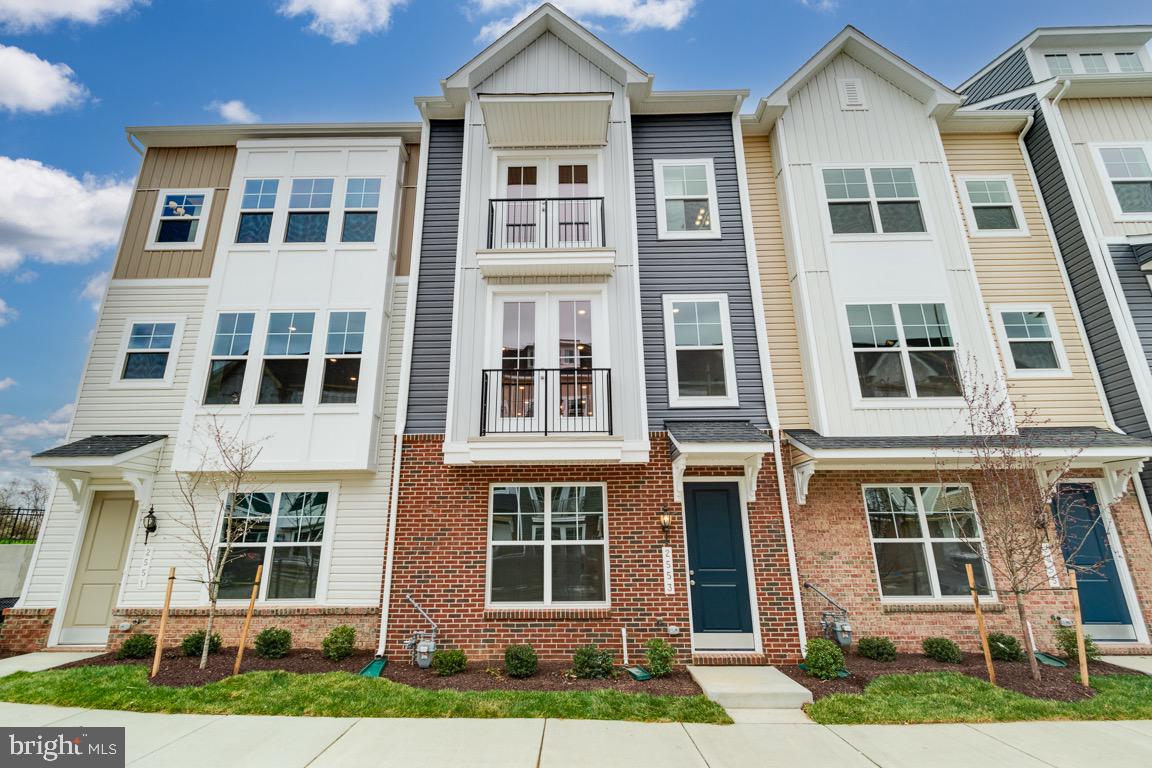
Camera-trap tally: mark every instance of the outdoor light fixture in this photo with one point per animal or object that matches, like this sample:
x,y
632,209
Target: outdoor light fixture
x,y
149,523
665,523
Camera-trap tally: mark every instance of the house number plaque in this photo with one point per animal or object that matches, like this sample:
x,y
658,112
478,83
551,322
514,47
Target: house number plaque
x,y
669,581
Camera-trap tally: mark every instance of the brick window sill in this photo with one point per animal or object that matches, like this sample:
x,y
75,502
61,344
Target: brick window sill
x,y
546,614
993,607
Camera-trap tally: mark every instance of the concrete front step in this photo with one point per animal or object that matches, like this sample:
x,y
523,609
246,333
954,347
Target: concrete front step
x,y
750,687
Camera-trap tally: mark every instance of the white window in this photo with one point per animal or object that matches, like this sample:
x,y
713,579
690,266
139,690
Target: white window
x,y
698,346
922,537
308,211
285,531
903,350
1030,341
1093,63
548,545
148,352
858,198
1128,179
256,210
992,206
180,220
1129,61
1058,64
287,348
342,351
229,362
851,93
361,201
686,199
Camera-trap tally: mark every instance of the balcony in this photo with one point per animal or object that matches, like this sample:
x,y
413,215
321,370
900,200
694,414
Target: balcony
x,y
546,237
546,401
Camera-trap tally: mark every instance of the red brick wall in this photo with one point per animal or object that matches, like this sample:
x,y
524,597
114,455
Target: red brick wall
x,y
441,556
1137,545
25,629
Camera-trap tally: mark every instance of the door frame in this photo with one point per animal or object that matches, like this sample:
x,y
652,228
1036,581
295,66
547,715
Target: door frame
x,y
753,602
1128,587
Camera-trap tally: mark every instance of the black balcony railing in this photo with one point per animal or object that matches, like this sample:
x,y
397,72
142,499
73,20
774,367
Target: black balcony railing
x,y
567,222
546,400
19,525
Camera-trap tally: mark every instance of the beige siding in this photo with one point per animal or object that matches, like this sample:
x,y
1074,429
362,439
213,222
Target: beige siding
x,y
407,211
779,314
174,168
1025,270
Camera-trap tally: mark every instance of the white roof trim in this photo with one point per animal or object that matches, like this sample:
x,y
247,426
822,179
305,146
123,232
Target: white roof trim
x,y
97,462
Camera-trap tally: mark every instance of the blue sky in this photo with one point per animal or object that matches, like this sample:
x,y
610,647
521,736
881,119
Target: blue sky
x,y
73,73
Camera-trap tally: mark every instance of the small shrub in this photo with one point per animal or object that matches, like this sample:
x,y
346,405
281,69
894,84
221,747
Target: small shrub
x,y
592,663
449,661
661,656
1066,642
823,658
193,644
1004,647
876,648
520,660
137,647
273,643
339,643
942,649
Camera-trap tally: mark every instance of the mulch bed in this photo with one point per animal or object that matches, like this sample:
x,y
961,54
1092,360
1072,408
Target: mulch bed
x,y
1056,684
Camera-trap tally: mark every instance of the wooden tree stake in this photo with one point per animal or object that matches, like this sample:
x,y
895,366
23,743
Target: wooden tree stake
x,y
980,623
1079,628
163,622
247,620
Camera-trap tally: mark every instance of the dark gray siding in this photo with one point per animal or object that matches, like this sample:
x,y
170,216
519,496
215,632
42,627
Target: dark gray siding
x,y
1007,76
432,329
694,266
1137,294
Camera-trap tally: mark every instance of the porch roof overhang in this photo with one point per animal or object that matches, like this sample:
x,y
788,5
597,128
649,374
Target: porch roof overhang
x,y
133,459
546,120
1112,85
717,444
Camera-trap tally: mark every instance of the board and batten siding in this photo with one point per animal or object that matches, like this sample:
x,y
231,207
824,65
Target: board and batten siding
x,y
435,280
694,266
174,168
548,65
1025,270
779,310
1009,75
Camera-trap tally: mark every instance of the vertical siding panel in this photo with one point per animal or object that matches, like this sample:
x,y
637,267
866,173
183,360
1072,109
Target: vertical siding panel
x,y
1009,75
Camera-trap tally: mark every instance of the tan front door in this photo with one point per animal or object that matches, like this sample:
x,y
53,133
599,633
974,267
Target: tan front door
x,y
98,570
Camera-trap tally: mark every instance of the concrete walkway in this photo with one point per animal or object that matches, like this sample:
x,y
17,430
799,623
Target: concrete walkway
x,y
41,660
323,742
1137,663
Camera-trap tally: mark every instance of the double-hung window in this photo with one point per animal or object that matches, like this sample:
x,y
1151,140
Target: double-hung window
x,y
992,206
361,201
1129,178
229,360
178,223
903,350
1129,61
686,204
286,351
256,208
923,536
1058,64
342,351
308,211
873,200
1093,63
698,341
147,352
1029,339
548,545
281,530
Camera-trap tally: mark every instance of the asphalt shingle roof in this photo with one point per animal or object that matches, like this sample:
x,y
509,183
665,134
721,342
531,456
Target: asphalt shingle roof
x,y
716,432
100,446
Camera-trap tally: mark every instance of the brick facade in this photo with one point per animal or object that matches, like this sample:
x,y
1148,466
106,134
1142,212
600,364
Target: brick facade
x,y
25,629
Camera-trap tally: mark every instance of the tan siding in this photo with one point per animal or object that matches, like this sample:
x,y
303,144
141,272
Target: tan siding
x,y
779,315
168,168
1026,270
407,211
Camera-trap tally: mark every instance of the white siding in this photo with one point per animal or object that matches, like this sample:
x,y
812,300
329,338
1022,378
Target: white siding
x,y
548,65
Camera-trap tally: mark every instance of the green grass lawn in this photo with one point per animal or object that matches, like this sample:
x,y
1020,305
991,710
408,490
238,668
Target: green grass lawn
x,y
949,697
337,694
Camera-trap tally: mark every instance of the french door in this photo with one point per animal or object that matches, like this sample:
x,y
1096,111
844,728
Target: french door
x,y
546,204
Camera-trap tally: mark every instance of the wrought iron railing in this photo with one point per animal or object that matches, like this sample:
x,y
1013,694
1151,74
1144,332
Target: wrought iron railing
x,y
19,524
546,400
546,222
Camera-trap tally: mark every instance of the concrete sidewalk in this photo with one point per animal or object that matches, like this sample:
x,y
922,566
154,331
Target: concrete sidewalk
x,y
294,742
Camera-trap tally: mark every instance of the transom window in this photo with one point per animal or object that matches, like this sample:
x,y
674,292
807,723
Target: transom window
x,y
179,218
148,348
256,207
1030,340
701,367
923,536
342,351
1129,61
1058,63
229,360
686,204
903,350
992,206
1093,63
361,201
858,198
1128,171
281,530
548,545
286,350
308,211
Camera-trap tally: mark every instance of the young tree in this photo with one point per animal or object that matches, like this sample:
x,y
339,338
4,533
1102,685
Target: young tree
x,y
217,497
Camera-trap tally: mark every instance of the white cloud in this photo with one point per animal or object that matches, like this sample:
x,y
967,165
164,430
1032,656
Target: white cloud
x,y
21,436
7,383
93,289
343,21
823,6
49,215
28,83
234,111
7,313
24,15
633,14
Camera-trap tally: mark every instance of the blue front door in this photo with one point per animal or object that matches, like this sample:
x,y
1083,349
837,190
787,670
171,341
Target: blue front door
x,y
718,571
1103,606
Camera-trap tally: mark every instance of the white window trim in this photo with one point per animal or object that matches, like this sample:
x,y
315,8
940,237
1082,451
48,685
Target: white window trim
x,y
847,237
245,385
1064,371
662,231
732,399
326,544
311,380
1014,200
201,229
547,544
1109,191
173,353
276,211
324,356
926,542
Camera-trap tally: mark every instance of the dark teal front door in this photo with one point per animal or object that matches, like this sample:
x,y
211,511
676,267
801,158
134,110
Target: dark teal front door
x,y
717,567
1103,606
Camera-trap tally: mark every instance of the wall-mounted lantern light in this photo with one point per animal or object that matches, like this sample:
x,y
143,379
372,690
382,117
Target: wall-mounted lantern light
x,y
149,523
665,523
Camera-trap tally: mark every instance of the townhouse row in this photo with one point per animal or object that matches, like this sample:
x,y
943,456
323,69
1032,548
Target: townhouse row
x,y
572,355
